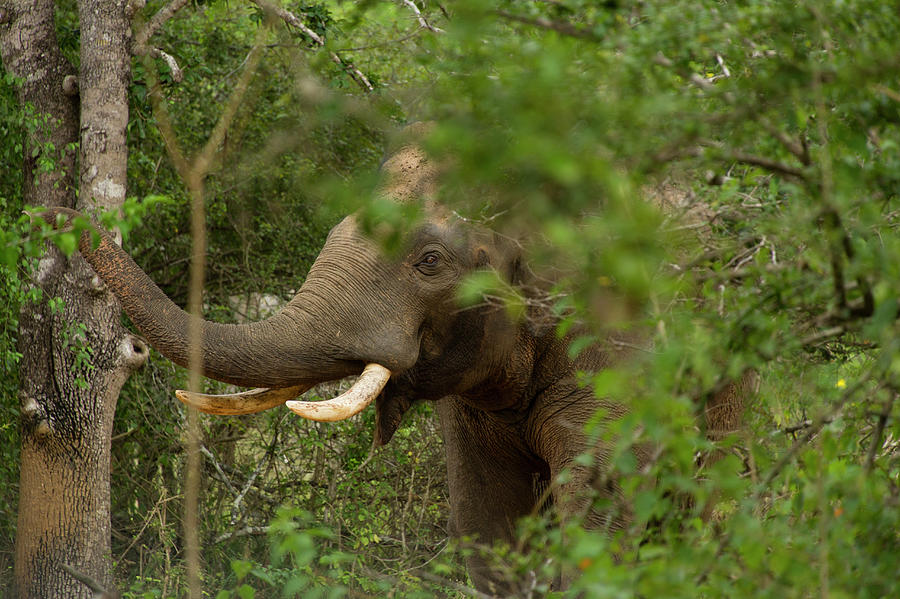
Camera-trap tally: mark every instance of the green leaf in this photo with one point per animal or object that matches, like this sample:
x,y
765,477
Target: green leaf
x,y
245,591
66,242
241,568
263,575
579,344
476,286
9,255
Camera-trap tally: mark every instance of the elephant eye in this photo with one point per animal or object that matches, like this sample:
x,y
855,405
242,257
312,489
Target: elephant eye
x,y
428,262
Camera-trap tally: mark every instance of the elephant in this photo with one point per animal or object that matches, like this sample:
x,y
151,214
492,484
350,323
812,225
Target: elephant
x,y
512,411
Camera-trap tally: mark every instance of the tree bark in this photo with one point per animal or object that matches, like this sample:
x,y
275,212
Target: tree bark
x,y
75,353
103,80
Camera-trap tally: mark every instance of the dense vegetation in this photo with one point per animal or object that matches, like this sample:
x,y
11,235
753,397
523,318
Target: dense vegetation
x,y
768,132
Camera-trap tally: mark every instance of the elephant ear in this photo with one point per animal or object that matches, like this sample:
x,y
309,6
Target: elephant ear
x,y
389,411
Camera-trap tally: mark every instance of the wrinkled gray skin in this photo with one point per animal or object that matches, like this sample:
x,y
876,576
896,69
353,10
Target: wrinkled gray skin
x,y
511,412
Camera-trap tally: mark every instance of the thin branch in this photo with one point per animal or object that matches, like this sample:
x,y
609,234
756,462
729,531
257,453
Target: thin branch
x,y
789,430
241,532
177,73
203,162
123,435
236,505
561,27
796,148
354,72
461,588
721,61
794,428
704,84
868,299
289,18
142,38
879,431
158,507
294,21
833,219
160,108
888,92
840,242
818,337
91,583
419,17
209,455
768,164
739,273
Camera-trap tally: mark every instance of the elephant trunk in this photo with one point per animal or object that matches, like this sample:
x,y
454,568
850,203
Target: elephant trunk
x,y
277,352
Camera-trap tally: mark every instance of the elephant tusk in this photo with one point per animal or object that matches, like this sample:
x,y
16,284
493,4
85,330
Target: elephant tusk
x,y
246,402
370,383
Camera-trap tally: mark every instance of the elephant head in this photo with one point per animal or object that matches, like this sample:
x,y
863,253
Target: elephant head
x,y
394,319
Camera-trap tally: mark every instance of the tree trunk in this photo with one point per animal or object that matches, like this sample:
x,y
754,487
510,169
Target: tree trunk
x,y
75,353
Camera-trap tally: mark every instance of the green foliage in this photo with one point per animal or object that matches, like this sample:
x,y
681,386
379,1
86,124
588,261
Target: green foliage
x,y
777,128
12,291
721,179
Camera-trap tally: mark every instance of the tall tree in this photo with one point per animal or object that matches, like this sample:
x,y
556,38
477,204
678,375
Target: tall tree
x,y
75,353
